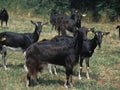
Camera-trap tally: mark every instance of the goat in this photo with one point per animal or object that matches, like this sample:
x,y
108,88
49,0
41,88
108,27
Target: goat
x,y
69,23
54,52
88,48
18,41
55,17
77,16
118,27
64,22
65,41
3,16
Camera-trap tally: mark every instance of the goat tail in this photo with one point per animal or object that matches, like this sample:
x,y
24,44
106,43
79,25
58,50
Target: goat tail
x,y
27,65
24,54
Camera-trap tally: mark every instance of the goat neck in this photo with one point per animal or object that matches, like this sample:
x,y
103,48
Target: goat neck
x,y
93,44
78,38
36,33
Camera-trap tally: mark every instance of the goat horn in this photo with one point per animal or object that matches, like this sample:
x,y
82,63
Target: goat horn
x,y
106,33
117,27
92,29
33,23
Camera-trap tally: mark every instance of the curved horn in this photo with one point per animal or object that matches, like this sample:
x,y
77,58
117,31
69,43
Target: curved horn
x,y
92,29
33,23
118,27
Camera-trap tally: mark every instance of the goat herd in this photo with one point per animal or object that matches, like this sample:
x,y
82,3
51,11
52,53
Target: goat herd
x,y
61,50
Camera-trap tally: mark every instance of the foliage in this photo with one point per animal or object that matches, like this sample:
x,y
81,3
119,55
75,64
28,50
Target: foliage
x,y
99,8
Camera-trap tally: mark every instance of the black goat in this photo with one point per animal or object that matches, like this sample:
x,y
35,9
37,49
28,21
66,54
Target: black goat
x,y
118,27
69,23
66,41
18,41
77,17
88,48
3,16
63,22
55,17
54,52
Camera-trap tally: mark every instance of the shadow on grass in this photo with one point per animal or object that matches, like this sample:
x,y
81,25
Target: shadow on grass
x,y
84,82
44,82
83,75
11,66
4,27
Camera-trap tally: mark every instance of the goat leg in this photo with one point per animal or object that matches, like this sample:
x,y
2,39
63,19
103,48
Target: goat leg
x,y
80,71
28,79
119,34
6,23
54,68
50,68
68,77
1,23
35,78
87,68
4,51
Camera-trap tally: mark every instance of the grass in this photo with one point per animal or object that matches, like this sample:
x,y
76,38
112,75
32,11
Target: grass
x,y
104,64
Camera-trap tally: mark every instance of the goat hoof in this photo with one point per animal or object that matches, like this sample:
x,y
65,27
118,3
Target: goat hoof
x,y
88,78
50,72
80,78
27,84
55,74
6,68
68,85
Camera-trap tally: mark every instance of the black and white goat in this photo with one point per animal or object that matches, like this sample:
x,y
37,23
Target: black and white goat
x,y
18,41
4,16
59,53
88,48
118,27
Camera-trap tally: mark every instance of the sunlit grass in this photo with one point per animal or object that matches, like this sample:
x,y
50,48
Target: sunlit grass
x,y
104,64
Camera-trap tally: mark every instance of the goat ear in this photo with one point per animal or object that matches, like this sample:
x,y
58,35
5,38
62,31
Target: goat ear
x,y
33,23
92,30
106,33
76,10
84,14
3,39
3,9
118,27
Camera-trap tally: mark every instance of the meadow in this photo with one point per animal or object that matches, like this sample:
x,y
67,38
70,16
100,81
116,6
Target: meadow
x,y
104,64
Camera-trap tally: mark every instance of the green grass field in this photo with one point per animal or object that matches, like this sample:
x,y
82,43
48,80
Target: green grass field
x,y
104,64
